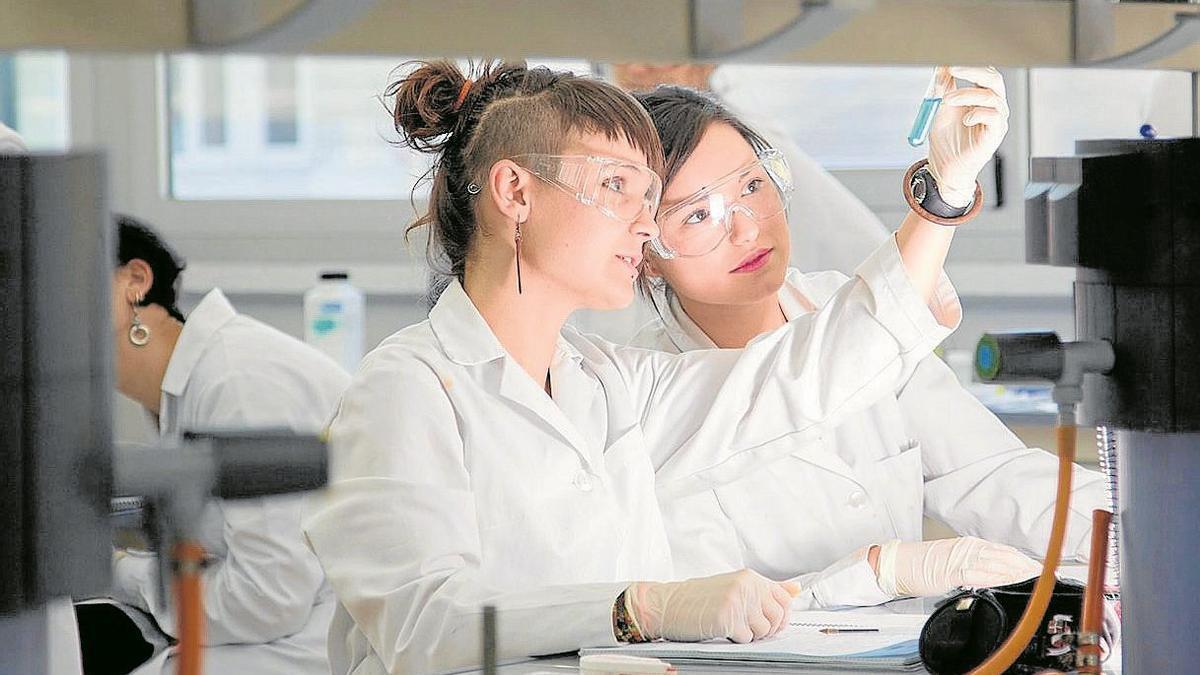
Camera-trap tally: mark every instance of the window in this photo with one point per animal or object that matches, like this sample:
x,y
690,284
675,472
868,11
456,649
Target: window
x,y
269,128
281,102
845,117
1073,104
33,98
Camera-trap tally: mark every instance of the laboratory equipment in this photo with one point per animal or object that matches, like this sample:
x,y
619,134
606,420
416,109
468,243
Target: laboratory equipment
x,y
333,319
930,102
61,468
55,393
971,623
1041,357
1106,454
1126,214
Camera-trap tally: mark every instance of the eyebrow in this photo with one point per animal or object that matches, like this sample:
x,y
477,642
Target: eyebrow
x,y
666,206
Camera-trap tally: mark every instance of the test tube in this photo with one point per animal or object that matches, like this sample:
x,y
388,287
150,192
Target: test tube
x,y
929,107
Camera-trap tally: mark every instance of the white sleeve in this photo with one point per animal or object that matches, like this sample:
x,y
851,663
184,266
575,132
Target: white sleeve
x,y
849,582
398,536
711,415
266,584
981,480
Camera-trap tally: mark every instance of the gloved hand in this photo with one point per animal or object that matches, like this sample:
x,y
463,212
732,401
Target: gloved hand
x,y
966,130
741,606
937,567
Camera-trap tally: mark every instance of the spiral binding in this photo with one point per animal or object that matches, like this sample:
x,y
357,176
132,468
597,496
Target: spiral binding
x,y
1106,448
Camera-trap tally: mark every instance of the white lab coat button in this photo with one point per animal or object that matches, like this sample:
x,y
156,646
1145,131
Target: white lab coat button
x,y
583,481
858,499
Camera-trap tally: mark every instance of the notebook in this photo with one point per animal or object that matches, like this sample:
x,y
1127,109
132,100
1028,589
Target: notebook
x,y
894,647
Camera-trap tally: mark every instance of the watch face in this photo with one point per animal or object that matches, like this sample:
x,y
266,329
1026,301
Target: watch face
x,y
918,188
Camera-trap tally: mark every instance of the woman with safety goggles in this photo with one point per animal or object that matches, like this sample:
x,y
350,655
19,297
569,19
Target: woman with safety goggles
x,y
493,456
718,276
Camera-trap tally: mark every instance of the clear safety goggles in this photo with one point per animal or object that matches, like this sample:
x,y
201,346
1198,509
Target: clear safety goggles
x,y
697,225
619,189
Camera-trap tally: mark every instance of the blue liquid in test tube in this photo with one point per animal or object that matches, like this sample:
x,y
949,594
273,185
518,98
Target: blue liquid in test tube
x,y
929,107
923,121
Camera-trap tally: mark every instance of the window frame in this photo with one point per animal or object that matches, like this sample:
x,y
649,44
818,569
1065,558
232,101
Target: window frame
x,y
120,103
112,96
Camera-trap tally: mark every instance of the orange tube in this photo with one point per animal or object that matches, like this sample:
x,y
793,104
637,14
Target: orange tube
x,y
189,606
1018,640
1093,598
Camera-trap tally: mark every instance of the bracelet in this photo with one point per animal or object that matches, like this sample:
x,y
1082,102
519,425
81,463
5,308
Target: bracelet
x,y
972,210
625,626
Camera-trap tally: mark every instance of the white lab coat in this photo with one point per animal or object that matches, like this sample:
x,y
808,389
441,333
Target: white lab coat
x,y
929,447
458,482
265,598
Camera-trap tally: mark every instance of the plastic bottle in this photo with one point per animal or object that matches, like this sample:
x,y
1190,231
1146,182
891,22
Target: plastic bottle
x,y
333,319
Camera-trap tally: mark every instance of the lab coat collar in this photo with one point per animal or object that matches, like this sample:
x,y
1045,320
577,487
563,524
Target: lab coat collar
x,y
465,337
794,300
467,340
213,312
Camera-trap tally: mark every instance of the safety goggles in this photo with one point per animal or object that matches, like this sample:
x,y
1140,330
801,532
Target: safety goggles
x,y
620,190
697,225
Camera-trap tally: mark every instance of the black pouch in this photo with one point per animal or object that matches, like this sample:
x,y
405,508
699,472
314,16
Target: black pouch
x,y
970,625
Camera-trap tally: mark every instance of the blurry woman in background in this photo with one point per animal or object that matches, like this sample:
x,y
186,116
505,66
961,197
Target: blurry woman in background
x,y
267,607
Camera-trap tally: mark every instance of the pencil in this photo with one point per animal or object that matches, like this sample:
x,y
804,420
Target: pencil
x,y
835,631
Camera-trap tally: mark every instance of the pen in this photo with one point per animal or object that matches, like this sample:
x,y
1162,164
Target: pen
x,y
835,631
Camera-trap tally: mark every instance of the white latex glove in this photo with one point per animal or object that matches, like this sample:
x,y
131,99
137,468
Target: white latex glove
x,y
966,131
930,568
741,606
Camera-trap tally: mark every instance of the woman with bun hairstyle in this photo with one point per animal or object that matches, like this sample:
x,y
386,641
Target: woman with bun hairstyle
x,y
490,455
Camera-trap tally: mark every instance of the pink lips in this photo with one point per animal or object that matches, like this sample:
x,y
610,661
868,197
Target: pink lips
x,y
755,261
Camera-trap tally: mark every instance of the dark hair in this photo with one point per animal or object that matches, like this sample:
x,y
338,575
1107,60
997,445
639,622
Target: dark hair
x,y
682,115
507,109
136,240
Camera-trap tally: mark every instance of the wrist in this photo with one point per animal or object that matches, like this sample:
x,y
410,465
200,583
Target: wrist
x,y
937,201
886,572
625,625
873,558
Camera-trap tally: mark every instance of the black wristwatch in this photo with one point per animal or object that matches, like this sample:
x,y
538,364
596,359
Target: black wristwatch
x,y
924,189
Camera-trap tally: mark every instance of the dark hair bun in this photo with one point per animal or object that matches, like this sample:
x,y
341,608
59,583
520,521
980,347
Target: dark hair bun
x,y
427,105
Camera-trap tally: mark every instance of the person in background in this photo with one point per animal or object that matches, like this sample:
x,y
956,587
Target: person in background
x,y
266,603
927,448
836,230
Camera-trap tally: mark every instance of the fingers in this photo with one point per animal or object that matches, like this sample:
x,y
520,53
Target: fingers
x,y
976,96
777,615
997,564
988,77
760,624
741,634
784,593
985,117
779,606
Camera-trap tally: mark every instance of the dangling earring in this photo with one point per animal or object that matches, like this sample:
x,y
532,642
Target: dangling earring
x,y
139,333
517,241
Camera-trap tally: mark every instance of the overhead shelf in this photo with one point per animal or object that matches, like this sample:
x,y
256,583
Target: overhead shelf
x,y
1001,32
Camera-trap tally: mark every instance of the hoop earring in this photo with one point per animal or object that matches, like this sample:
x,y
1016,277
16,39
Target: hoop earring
x,y
517,242
139,333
